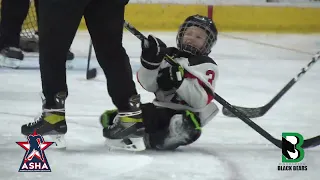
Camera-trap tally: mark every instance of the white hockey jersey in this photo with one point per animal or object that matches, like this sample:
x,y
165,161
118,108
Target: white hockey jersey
x,y
196,91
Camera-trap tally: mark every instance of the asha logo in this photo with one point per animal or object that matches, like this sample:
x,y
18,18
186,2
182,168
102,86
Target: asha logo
x,y
34,159
292,152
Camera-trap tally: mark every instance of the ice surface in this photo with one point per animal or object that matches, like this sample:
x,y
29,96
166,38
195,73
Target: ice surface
x,y
250,75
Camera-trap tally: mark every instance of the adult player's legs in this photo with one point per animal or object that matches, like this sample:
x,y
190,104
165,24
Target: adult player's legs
x,y
58,23
105,23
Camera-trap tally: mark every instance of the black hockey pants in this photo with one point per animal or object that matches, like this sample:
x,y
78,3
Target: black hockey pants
x,y
58,23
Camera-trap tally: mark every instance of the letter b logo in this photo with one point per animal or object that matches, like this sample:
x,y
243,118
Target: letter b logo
x,y
292,151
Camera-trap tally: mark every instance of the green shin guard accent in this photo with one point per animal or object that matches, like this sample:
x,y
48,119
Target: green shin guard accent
x,y
191,115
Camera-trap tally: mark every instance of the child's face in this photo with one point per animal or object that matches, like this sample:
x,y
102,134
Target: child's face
x,y
195,37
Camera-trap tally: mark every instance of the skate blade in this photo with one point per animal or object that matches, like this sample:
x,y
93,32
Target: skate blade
x,y
9,62
129,144
59,141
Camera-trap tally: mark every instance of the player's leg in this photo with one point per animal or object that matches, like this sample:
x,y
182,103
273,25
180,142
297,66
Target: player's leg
x,y
105,23
58,23
178,128
13,13
165,129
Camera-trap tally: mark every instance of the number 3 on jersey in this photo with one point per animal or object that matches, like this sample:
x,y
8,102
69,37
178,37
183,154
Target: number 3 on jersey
x,y
211,74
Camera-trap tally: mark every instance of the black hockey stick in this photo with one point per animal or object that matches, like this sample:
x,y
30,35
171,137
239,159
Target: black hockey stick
x,y
140,36
90,73
312,142
308,143
260,111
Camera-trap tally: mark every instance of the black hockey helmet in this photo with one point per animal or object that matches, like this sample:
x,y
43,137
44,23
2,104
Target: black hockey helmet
x,y
204,23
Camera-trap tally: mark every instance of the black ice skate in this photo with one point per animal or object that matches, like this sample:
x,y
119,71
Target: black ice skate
x,y
51,122
11,57
126,130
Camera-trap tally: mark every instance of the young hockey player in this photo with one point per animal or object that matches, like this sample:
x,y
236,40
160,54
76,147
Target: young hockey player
x,y
183,93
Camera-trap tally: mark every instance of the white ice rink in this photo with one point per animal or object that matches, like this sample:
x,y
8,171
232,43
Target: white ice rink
x,y
250,75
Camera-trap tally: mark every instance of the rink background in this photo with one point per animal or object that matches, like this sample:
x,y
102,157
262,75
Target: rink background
x,y
250,75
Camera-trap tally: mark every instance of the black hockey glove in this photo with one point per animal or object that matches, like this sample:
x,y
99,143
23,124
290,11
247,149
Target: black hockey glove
x,y
152,52
170,78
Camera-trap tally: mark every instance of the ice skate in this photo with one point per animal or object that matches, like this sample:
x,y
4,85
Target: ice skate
x,y
11,57
52,122
124,130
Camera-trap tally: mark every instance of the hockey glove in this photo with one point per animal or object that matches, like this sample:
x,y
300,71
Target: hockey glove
x,y
170,78
152,52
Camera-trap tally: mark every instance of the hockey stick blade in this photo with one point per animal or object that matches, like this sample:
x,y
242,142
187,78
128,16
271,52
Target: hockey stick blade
x,y
91,73
260,111
308,143
250,112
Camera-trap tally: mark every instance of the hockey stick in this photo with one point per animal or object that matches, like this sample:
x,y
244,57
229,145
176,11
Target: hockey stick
x,y
308,143
90,73
260,111
312,142
140,36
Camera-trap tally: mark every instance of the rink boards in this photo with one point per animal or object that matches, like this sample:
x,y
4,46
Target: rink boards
x,y
247,18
